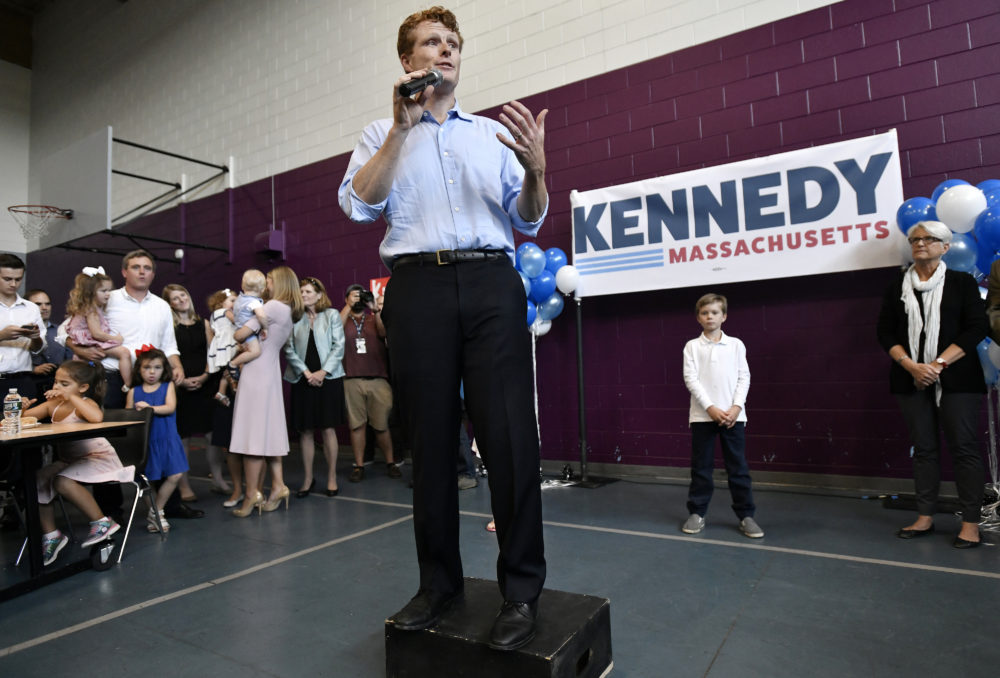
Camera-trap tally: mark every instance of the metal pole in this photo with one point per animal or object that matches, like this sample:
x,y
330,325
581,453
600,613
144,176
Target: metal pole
x,y
172,155
579,389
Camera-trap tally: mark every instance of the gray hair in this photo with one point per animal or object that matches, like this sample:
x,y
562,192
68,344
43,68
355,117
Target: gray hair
x,y
934,228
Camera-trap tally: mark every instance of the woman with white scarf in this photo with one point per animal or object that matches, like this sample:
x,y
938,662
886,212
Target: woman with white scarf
x,y
930,323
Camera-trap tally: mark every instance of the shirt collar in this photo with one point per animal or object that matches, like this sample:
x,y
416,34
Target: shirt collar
x,y
454,112
18,301
724,339
128,297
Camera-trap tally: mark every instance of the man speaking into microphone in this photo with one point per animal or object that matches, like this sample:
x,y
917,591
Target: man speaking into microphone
x,y
452,186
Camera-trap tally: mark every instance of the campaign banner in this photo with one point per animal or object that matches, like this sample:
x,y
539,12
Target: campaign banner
x,y
377,286
818,210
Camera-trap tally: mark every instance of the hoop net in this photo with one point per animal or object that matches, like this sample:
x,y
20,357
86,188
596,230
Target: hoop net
x,y
34,219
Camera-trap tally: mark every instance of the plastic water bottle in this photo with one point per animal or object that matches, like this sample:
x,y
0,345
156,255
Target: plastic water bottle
x,y
12,407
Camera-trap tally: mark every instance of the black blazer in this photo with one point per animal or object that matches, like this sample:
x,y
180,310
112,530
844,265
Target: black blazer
x,y
963,323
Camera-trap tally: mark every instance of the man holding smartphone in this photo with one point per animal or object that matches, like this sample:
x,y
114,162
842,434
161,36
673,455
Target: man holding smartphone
x,y
21,330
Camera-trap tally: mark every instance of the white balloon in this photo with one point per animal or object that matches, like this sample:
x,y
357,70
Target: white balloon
x,y
993,351
540,327
567,278
959,206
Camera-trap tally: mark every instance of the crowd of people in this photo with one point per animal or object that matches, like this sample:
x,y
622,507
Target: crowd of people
x,y
217,377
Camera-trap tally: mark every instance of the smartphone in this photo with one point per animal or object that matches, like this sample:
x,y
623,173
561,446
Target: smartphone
x,y
29,327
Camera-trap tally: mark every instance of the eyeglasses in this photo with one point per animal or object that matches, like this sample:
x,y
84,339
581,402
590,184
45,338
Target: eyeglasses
x,y
927,240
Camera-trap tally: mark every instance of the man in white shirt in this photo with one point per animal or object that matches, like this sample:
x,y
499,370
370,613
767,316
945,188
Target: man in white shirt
x,y
140,317
21,330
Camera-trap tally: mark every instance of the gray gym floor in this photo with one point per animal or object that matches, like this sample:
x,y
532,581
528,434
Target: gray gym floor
x,y
829,591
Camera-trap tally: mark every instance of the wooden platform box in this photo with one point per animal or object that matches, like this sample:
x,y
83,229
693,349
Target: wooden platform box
x,y
573,640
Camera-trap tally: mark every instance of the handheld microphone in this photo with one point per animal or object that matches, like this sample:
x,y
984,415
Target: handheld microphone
x,y
410,88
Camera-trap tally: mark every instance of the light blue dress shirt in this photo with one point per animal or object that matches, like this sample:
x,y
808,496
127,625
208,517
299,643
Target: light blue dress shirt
x,y
456,187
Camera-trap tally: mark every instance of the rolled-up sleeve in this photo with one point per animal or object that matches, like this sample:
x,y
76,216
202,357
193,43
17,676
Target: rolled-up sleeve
x,y
512,178
355,208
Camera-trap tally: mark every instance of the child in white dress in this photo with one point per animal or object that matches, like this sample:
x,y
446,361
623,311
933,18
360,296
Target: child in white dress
x,y
223,345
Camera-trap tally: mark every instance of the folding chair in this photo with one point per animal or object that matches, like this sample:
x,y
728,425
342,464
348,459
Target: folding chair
x,y
132,449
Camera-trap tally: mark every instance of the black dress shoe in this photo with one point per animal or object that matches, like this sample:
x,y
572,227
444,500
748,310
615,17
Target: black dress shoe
x,y
960,543
332,493
423,610
184,512
301,494
514,626
913,534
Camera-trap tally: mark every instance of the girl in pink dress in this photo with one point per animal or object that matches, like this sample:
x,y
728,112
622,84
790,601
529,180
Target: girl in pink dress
x,y
88,325
75,397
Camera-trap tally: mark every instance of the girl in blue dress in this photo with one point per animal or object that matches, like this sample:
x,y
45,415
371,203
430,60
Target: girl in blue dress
x,y
154,388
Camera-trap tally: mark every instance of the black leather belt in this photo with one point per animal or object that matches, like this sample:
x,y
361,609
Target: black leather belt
x,y
445,257
15,375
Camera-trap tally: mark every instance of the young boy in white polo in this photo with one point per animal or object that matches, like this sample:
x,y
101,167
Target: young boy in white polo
x,y
718,377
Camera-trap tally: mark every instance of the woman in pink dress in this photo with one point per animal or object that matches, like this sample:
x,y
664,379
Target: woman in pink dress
x,y
260,430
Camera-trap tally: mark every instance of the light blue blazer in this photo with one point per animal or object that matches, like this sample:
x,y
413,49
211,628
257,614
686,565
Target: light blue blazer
x,y
329,333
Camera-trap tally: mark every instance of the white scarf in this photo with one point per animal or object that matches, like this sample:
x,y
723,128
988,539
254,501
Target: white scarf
x,y
930,321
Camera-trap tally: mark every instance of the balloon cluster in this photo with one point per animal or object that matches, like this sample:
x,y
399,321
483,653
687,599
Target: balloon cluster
x,y
545,275
973,215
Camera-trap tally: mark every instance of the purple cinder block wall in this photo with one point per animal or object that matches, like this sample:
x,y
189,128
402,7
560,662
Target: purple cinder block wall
x,y
819,398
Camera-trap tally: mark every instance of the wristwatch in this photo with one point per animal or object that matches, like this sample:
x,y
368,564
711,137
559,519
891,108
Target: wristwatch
x,y
942,362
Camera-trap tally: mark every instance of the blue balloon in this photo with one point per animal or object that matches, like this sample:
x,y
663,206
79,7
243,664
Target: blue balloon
x,y
526,281
992,197
555,259
532,312
914,210
551,307
961,256
988,185
990,372
531,259
945,185
542,287
985,258
987,229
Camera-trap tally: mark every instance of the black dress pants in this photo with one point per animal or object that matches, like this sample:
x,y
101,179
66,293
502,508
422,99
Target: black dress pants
x,y
445,324
958,419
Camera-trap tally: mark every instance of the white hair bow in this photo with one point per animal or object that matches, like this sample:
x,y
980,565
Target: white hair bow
x,y
91,271
228,292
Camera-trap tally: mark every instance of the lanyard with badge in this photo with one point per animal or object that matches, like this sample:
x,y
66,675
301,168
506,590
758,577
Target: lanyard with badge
x,y
359,341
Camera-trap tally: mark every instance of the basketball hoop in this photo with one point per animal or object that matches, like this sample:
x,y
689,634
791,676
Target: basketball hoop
x,y
34,219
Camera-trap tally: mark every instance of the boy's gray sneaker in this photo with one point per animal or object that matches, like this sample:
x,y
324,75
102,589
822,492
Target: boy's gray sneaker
x,y
750,528
694,524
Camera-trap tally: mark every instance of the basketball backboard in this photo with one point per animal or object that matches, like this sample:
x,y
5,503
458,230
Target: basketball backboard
x,y
77,178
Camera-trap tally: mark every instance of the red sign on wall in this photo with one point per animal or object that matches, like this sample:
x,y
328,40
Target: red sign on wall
x,y
377,285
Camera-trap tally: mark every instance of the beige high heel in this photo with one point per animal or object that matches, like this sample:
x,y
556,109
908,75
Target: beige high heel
x,y
256,501
274,502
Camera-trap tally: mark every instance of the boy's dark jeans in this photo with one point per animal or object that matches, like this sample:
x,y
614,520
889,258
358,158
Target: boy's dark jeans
x,y
733,440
